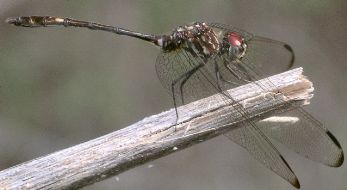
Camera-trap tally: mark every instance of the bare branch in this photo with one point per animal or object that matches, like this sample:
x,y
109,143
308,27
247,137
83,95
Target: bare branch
x,y
157,135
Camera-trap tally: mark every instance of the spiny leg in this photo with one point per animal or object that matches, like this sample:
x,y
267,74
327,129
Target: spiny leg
x,y
246,70
218,76
221,78
185,76
227,66
218,79
191,73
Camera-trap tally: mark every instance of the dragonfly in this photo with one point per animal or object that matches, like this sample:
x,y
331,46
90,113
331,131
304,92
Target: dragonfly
x,y
201,59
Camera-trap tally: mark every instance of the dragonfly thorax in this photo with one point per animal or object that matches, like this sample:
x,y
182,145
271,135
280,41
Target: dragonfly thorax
x,y
198,39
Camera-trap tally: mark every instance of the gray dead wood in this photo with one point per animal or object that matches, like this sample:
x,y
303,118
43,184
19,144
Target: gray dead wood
x,y
157,135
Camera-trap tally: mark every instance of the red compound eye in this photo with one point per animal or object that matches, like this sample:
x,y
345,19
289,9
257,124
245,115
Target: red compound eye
x,y
234,39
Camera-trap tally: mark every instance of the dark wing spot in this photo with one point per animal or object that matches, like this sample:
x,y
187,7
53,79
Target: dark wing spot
x,y
341,157
290,49
296,182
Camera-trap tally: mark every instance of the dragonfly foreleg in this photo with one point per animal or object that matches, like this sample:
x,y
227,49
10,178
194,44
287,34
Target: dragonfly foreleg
x,y
184,78
234,73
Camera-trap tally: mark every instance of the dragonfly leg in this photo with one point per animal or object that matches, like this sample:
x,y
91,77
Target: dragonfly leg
x,y
221,78
188,75
255,76
218,76
234,73
184,78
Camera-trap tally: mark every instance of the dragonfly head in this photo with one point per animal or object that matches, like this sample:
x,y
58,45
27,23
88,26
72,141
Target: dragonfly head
x,y
234,45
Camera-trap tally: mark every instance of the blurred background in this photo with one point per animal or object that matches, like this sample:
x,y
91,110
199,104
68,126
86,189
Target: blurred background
x,y
64,86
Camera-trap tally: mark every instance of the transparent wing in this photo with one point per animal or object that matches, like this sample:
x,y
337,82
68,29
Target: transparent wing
x,y
172,69
170,66
305,135
308,137
223,28
261,149
267,55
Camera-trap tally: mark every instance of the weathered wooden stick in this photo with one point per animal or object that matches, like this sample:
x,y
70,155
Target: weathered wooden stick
x,y
158,135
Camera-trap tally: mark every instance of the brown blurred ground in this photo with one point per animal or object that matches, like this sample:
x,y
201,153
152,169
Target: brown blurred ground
x,y
61,87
